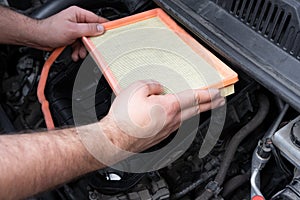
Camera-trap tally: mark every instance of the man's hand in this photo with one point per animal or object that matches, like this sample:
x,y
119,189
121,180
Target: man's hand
x,y
140,117
144,117
56,31
66,27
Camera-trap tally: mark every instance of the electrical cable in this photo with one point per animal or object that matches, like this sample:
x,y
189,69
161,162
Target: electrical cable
x,y
194,185
279,162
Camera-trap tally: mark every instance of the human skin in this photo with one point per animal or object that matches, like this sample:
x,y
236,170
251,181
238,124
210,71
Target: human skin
x,y
32,163
59,30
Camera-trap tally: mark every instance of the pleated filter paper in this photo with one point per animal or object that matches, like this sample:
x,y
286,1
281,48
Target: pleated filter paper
x,y
151,46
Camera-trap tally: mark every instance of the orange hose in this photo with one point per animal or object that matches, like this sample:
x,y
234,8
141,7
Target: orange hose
x,y
42,85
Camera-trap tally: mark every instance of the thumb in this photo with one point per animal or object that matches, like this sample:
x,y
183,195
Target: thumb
x,y
89,29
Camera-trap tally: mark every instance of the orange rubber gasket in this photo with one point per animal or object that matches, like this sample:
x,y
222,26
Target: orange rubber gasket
x,y
230,76
42,85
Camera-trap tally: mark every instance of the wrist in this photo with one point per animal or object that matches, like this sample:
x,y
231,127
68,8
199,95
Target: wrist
x,y
36,34
89,160
111,131
30,33
118,137
103,141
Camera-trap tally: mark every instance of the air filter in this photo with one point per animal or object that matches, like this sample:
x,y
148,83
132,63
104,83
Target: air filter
x,y
151,45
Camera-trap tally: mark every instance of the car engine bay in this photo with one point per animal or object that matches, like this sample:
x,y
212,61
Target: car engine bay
x,y
258,151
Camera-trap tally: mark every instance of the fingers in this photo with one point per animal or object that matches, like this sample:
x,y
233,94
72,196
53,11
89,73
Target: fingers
x,y
75,53
84,16
191,98
79,51
89,29
197,109
192,102
86,22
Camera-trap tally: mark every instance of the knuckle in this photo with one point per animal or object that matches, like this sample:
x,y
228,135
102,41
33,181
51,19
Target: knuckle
x,y
140,82
202,96
197,110
92,28
174,107
148,87
73,8
197,98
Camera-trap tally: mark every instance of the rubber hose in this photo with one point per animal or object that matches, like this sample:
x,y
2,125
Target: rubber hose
x,y
235,183
52,7
261,114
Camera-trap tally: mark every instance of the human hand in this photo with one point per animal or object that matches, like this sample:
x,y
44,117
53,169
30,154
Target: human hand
x,y
144,117
66,27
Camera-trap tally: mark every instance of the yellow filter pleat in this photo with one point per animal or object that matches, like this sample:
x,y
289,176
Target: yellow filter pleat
x,y
150,50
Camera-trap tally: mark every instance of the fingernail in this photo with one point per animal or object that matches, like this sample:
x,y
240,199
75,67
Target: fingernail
x,y
100,28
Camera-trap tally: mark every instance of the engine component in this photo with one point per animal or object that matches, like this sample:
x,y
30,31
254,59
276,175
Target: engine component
x,y
277,122
27,72
287,140
204,177
184,178
4,2
295,134
262,154
214,187
291,192
234,183
261,37
155,190
111,182
260,157
18,85
54,6
5,124
21,5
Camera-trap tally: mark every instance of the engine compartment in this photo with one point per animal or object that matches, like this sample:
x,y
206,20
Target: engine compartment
x,y
259,137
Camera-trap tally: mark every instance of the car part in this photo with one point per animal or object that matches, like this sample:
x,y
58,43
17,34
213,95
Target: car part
x,y
54,6
286,139
258,59
261,37
262,153
214,187
291,192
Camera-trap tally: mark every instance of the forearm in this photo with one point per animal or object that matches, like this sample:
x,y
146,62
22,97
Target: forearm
x,y
56,31
18,29
31,163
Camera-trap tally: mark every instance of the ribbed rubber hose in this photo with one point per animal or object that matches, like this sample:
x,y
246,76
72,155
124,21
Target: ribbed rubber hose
x,y
261,114
52,7
235,183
